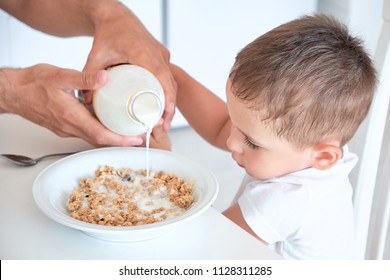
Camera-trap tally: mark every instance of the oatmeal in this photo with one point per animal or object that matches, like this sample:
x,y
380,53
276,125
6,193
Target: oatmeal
x,y
126,197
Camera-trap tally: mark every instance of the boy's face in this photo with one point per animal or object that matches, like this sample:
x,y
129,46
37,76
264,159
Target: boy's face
x,y
254,146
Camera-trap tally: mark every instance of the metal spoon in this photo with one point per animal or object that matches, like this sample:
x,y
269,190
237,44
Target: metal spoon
x,y
27,161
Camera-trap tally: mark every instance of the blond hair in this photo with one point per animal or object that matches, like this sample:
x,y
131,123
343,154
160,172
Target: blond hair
x,y
312,78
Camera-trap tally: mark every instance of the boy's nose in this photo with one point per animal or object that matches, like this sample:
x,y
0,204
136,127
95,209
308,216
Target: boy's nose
x,y
233,142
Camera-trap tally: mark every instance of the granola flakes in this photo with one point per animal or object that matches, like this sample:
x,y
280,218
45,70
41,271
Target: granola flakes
x,y
126,197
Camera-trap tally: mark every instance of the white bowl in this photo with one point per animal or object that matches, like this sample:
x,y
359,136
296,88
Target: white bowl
x,y
52,187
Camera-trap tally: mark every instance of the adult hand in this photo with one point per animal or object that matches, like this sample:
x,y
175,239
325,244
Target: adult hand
x,y
119,37
44,94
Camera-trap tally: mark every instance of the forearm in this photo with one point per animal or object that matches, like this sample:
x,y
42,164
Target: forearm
x,y
65,17
204,111
16,86
5,92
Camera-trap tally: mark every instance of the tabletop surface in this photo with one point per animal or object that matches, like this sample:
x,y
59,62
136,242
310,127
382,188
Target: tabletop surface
x,y
26,233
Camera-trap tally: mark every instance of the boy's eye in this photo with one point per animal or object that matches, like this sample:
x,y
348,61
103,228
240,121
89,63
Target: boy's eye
x,y
250,144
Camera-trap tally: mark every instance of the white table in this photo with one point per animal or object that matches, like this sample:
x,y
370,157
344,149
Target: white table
x,y
26,233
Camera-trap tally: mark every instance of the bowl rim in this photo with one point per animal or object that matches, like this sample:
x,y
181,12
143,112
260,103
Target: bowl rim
x,y
67,220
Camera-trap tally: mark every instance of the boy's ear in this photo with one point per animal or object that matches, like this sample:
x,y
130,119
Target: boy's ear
x,y
324,156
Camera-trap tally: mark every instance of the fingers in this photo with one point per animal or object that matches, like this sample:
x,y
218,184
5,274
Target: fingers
x,y
48,103
157,132
86,81
160,138
168,115
96,61
71,118
90,80
92,131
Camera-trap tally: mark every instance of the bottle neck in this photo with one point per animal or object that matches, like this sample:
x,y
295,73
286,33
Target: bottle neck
x,y
145,107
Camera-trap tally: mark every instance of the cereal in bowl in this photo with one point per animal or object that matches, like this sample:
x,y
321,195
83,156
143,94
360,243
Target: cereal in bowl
x,y
126,197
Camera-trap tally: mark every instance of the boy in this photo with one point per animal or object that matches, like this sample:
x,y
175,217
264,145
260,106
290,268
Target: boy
x,y
295,97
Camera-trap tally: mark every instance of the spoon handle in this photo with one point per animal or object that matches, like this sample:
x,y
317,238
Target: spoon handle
x,y
56,155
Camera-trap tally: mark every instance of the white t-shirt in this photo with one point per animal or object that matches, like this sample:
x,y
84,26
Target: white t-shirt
x,y
303,215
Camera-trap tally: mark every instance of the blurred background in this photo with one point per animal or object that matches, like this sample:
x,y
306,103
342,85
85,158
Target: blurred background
x,y
203,36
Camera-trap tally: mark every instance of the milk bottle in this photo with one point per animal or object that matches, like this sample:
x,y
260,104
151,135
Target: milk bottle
x,y
132,101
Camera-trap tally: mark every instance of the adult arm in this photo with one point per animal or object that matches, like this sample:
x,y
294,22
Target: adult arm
x,y
119,36
61,17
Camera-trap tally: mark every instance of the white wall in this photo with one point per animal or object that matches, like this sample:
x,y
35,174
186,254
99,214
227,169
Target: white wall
x,y
363,17
22,46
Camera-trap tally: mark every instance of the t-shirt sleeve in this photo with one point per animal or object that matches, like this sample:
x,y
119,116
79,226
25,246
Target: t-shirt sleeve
x,y
274,211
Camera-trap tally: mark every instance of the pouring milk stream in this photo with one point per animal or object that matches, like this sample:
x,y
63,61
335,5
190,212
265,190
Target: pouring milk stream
x,y
131,103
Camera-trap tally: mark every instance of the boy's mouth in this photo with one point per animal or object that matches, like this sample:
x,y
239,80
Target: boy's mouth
x,y
239,164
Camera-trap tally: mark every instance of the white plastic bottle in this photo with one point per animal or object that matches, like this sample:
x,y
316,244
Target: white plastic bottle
x,y
132,101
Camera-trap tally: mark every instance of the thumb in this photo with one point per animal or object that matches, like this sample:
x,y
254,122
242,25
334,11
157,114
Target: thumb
x,y
94,80
88,80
